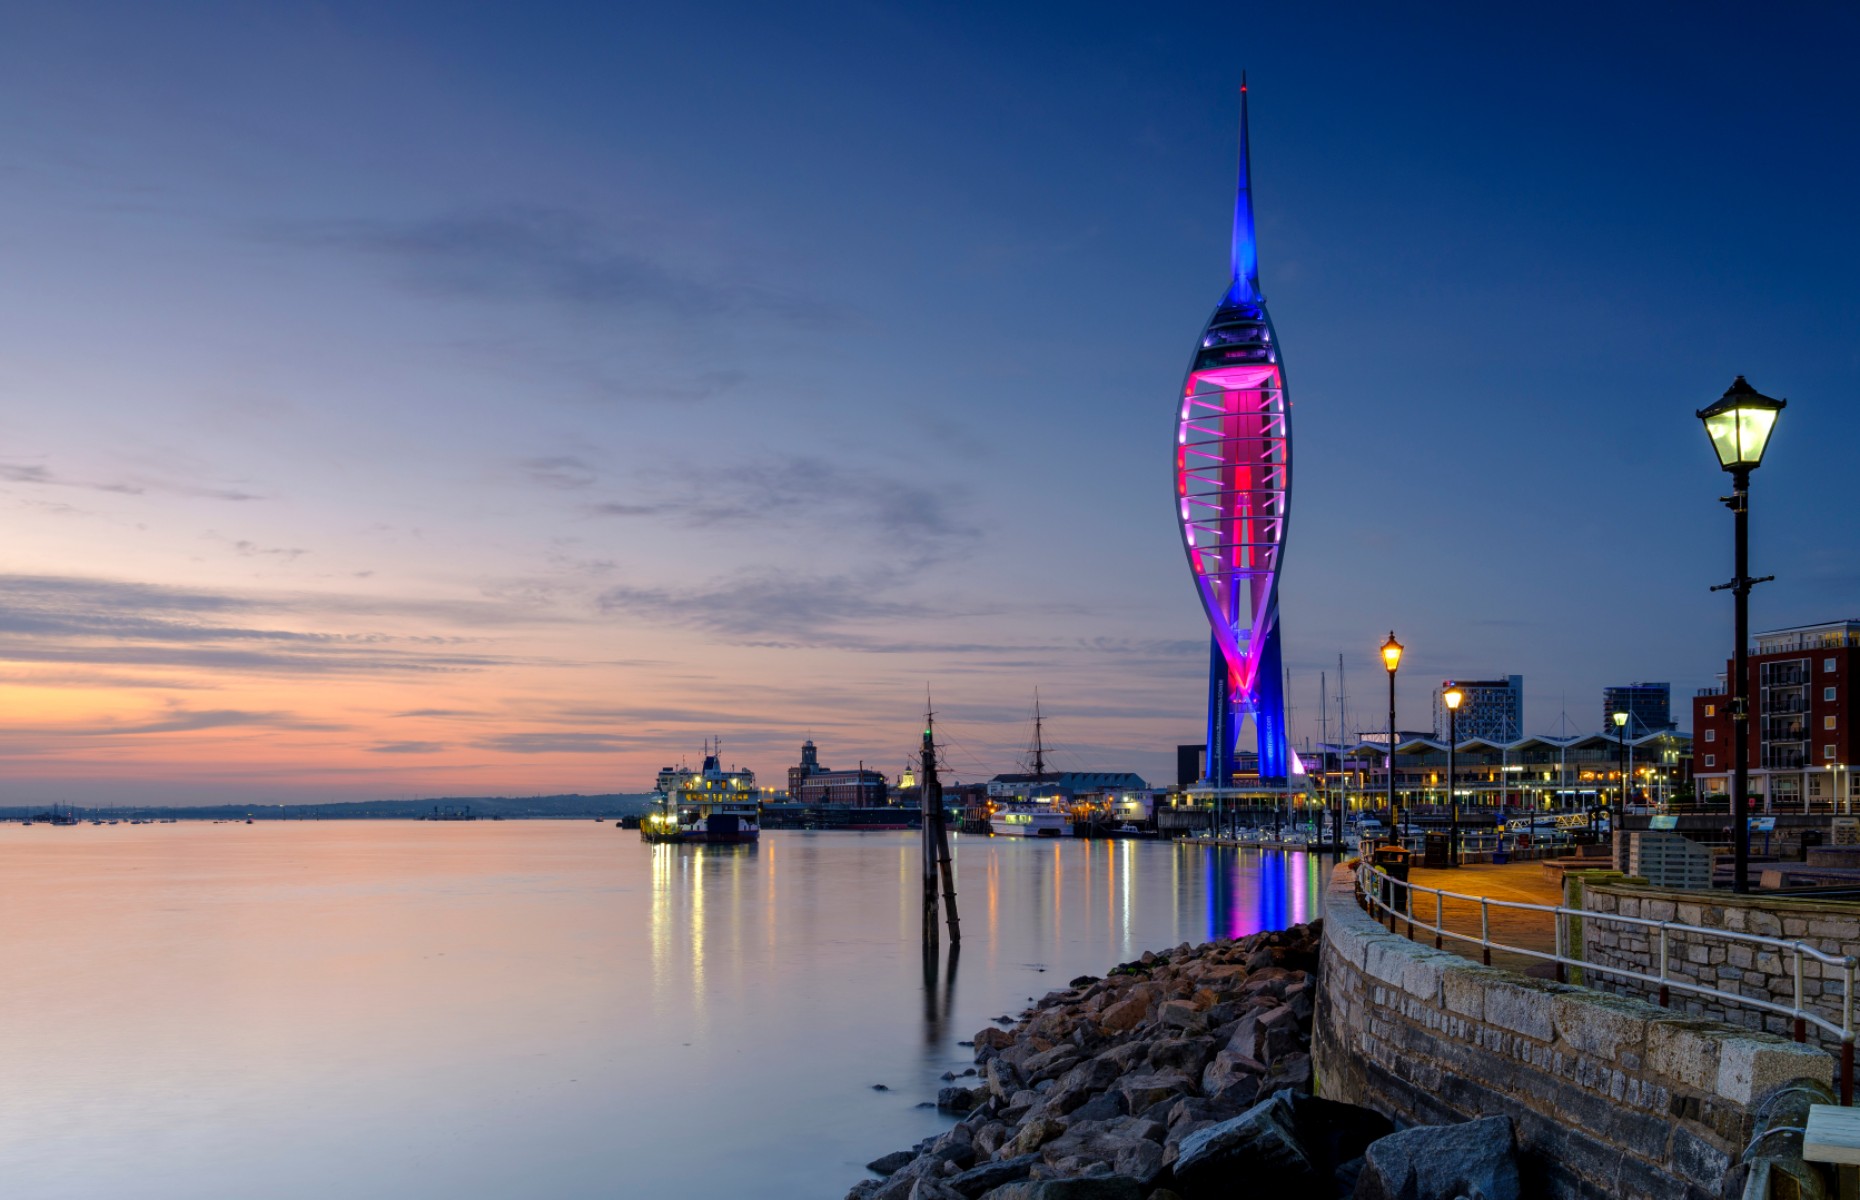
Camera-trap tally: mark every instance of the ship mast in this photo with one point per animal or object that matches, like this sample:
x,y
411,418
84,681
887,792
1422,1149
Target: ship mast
x,y
936,841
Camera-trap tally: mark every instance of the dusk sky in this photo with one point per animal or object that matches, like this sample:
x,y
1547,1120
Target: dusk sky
x,y
403,399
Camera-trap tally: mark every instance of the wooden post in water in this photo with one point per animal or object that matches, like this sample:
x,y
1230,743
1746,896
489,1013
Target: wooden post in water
x,y
936,843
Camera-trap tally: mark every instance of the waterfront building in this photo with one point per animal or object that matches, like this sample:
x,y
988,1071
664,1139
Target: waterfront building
x,y
1801,727
1649,706
1544,774
811,783
1233,491
1493,709
1067,784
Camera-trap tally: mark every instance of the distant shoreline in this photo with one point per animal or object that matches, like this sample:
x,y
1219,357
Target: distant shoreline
x,y
510,808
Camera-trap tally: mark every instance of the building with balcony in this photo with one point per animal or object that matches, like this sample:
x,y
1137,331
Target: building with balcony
x,y
1800,731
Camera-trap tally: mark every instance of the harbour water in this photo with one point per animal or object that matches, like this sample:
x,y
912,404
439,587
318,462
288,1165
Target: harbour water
x,y
533,1009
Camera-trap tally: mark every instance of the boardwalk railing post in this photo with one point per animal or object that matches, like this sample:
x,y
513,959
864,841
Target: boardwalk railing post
x,y
1485,932
1801,1025
1666,999
1439,917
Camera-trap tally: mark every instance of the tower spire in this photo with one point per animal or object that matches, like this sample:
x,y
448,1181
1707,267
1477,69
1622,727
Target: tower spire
x,y
1245,284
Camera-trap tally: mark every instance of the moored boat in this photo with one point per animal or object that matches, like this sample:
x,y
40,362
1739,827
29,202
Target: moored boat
x,y
710,806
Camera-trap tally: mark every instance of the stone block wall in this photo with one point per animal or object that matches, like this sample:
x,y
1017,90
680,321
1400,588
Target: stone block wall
x,y
1610,1097
1832,926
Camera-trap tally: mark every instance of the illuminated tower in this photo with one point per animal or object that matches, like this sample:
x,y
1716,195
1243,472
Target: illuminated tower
x,y
1233,489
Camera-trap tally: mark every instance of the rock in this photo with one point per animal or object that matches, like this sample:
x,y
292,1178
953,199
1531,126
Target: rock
x,y
1291,1072
890,1164
976,1180
1001,1079
1125,1014
1102,1141
1097,1187
993,1039
1473,1159
879,1087
1084,981
958,1100
1181,1014
1052,1063
1141,1161
863,1189
1105,1106
1257,1153
1035,1133
1141,1091
1187,1055
989,1137
1227,1068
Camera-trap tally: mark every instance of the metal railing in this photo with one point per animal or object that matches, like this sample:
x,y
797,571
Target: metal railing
x,y
1384,896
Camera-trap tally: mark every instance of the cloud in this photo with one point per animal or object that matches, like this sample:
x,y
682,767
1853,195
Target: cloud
x,y
557,743
554,256
564,471
247,549
183,721
33,473
909,519
407,747
105,622
766,604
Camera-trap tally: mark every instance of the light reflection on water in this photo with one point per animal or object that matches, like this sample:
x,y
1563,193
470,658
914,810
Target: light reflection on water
x,y
378,1009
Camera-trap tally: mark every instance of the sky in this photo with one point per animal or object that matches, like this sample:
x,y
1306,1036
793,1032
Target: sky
x,y
407,399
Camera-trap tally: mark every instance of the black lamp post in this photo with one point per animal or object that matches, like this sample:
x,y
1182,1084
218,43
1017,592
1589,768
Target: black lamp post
x,y
1453,696
1739,426
1621,720
1391,658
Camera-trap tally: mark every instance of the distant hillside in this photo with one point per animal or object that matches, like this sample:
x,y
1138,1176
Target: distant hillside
x,y
511,807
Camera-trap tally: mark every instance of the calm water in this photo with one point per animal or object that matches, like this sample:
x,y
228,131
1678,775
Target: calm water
x,y
515,1009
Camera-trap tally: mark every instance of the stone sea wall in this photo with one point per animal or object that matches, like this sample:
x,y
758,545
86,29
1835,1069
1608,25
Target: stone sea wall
x,y
1609,1096
1745,970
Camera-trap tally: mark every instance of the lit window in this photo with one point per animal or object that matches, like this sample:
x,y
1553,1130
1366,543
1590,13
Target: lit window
x,y
1827,752
1827,722
1711,710
1711,735
1711,760
1827,664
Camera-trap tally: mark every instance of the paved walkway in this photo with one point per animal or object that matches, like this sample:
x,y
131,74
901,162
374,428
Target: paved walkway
x,y
1520,882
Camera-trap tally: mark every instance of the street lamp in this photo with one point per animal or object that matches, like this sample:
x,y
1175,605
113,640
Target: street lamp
x,y
1621,720
1452,696
1391,658
1739,425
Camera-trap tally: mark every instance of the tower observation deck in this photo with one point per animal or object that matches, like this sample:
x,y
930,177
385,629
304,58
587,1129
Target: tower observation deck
x,y
1233,492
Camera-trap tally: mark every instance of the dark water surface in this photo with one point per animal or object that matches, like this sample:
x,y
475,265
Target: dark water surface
x,y
516,1009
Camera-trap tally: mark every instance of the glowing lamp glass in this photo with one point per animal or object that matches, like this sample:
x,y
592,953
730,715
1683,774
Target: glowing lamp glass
x,y
1620,719
1453,696
1739,425
1391,653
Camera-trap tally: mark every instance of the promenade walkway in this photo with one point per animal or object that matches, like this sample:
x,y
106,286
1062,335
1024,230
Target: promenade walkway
x,y
1522,882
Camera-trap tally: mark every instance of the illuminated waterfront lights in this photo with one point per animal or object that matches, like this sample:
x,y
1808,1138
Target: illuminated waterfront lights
x,y
1391,653
1621,718
1453,697
1739,424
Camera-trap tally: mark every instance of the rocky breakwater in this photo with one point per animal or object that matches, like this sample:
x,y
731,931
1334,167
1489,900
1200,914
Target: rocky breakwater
x,y
1181,1076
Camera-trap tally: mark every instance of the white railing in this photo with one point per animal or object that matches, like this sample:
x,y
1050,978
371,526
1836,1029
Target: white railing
x,y
1384,896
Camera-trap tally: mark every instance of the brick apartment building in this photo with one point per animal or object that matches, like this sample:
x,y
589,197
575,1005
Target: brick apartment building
x,y
1802,743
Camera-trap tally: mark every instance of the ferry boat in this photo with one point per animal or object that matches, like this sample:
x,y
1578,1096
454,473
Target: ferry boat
x,y
1035,817
711,806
